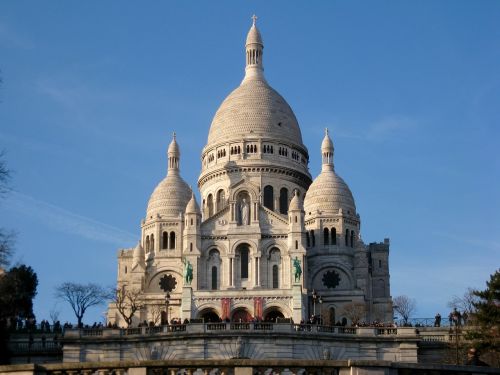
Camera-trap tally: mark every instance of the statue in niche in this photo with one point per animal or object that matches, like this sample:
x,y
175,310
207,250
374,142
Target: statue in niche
x,y
188,271
297,269
244,212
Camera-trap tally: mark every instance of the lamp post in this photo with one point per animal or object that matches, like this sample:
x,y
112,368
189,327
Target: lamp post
x,y
315,297
320,300
167,301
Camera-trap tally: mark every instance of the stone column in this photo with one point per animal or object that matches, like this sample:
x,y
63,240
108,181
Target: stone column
x,y
187,293
257,271
231,276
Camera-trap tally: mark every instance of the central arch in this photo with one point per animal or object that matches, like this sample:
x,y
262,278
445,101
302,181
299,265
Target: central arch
x,y
241,314
272,314
209,315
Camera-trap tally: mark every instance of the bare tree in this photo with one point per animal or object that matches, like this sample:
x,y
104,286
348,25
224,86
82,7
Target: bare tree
x,y
404,306
465,303
6,237
156,311
354,311
128,302
6,246
81,297
54,315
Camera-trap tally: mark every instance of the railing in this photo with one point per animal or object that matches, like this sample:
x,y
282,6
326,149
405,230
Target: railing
x,y
307,329
242,367
24,347
92,332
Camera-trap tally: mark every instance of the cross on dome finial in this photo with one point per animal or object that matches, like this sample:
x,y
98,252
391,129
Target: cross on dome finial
x,y
254,19
173,135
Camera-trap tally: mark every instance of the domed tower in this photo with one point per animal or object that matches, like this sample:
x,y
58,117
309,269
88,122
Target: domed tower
x,y
346,273
163,226
254,137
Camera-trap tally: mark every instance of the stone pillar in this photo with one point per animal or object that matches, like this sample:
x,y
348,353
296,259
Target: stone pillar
x,y
187,293
297,304
257,271
231,276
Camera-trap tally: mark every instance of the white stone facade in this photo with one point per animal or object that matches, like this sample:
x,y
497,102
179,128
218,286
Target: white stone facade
x,y
260,211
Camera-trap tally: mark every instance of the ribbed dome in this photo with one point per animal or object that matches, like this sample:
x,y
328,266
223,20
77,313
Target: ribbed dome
x,y
328,193
254,109
169,198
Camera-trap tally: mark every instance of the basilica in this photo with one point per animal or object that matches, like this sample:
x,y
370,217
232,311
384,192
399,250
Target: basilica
x,y
266,241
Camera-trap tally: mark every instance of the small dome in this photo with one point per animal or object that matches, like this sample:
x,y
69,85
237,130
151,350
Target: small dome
x,y
138,255
295,203
173,148
253,36
169,198
328,193
327,144
192,206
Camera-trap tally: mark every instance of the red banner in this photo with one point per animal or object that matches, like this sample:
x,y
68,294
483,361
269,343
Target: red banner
x,y
258,303
226,308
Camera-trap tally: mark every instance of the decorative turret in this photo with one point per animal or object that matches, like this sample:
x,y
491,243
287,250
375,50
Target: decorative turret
x,y
254,51
327,152
138,257
192,234
296,223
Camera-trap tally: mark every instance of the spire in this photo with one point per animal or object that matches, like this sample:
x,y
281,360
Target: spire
x,y
174,154
327,152
254,50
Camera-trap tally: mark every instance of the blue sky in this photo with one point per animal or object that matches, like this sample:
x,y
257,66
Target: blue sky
x,y
410,91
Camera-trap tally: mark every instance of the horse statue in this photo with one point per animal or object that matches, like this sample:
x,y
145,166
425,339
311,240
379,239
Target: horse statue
x,y
297,270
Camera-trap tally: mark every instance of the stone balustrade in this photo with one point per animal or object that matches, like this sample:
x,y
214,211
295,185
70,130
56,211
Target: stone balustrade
x,y
242,367
207,328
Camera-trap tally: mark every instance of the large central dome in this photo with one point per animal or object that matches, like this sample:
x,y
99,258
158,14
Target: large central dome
x,y
254,109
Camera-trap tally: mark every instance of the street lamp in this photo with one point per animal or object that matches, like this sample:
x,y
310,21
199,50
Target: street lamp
x,y
315,297
167,301
320,300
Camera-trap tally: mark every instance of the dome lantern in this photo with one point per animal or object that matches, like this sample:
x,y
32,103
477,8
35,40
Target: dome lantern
x,y
174,154
254,51
327,152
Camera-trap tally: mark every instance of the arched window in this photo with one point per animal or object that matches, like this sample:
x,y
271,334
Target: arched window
x,y
152,244
269,197
296,244
284,201
352,238
334,236
164,240
326,236
308,241
347,237
210,205
190,246
244,262
221,197
214,277
275,276
147,244
313,239
172,240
